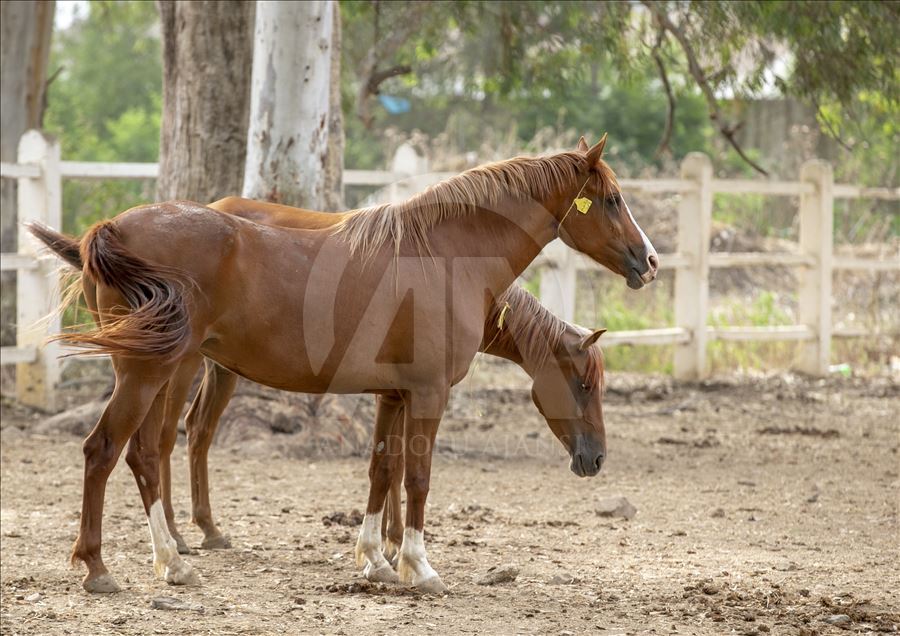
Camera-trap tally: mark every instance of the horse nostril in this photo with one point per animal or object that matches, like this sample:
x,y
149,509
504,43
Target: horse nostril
x,y
598,462
653,261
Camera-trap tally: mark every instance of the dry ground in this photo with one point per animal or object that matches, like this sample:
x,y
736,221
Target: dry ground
x,y
765,506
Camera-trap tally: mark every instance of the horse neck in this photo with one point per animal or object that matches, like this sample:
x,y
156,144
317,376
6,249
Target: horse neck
x,y
511,229
526,319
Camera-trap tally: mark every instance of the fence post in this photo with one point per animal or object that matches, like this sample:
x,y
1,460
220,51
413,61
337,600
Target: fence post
x,y
692,280
39,199
416,167
817,241
558,281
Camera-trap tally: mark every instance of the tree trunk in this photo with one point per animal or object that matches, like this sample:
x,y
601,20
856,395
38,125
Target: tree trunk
x,y
290,124
334,166
24,49
207,53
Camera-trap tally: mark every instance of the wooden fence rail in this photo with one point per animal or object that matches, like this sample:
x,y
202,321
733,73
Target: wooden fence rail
x,y
40,172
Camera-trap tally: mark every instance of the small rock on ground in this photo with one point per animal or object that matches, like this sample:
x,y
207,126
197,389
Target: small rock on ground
x,y
616,507
563,579
340,518
838,619
169,603
499,574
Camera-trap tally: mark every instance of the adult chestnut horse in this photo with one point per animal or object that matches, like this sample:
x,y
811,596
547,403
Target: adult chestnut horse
x,y
390,301
518,328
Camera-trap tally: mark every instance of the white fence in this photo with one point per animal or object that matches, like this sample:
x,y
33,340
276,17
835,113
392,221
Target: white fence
x,y
40,172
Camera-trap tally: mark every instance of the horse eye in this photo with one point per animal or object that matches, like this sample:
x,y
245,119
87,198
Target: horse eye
x,y
586,387
613,199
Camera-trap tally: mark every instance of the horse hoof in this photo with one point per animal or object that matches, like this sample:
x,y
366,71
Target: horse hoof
x,y
183,547
181,573
220,542
434,585
103,584
384,574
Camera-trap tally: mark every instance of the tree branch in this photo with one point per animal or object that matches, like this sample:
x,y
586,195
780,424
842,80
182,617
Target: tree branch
x,y
831,131
45,95
385,49
664,146
702,80
378,77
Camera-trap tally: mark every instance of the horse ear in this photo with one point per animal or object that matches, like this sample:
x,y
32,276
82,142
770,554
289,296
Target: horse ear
x,y
582,145
594,154
590,339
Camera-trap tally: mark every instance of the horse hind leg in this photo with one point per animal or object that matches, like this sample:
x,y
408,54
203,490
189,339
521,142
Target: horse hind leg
x,y
201,423
392,523
143,458
132,398
179,387
392,528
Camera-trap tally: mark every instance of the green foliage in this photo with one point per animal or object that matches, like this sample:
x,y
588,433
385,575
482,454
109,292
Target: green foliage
x,y
869,159
835,50
762,310
756,214
105,103
611,305
516,68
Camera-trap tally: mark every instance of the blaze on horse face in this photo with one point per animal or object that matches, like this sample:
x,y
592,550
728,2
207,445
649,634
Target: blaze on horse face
x,y
606,230
569,396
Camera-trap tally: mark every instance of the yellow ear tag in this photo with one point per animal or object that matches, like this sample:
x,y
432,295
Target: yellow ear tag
x,y
583,204
502,315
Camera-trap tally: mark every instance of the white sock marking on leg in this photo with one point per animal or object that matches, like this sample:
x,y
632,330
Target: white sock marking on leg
x,y
413,564
164,546
368,546
166,561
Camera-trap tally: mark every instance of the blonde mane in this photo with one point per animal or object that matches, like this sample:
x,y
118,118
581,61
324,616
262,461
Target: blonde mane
x,y
536,331
522,178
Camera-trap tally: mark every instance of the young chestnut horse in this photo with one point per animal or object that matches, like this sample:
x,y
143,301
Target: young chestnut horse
x,y
390,301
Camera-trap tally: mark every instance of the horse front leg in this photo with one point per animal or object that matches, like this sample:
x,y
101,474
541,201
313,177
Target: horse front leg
x,y
423,413
387,455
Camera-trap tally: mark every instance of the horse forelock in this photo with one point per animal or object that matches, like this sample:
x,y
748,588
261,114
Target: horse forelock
x,y
484,187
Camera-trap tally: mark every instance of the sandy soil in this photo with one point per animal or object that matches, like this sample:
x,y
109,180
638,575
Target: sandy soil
x,y
765,506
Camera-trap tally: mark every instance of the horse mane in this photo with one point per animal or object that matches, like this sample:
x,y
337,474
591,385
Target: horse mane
x,y
524,178
537,331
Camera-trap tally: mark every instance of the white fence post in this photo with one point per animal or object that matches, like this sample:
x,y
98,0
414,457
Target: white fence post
x,y
408,162
692,281
816,241
558,281
39,199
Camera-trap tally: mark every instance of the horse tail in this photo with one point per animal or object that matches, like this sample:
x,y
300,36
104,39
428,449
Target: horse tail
x,y
155,323
66,247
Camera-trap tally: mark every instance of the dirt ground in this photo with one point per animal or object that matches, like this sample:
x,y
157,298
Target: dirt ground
x,y
765,505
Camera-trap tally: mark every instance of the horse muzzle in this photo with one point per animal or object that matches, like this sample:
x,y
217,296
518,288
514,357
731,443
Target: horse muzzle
x,y
637,277
587,458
